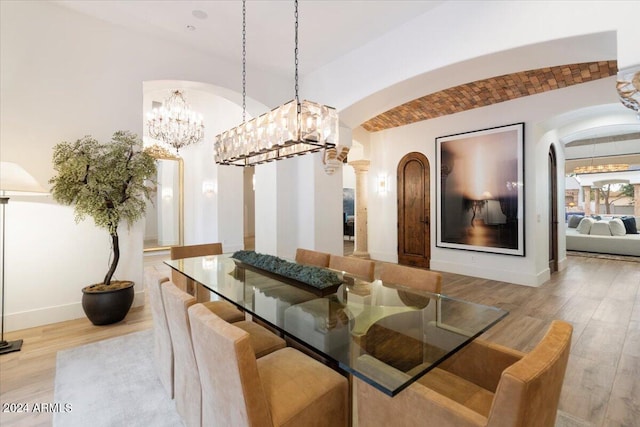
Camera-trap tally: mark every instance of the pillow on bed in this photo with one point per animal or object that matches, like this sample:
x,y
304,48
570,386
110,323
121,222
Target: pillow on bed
x,y
574,220
630,224
585,225
617,227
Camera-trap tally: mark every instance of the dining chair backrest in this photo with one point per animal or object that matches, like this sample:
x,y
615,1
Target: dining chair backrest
x,y
162,346
363,268
187,394
225,357
483,384
187,378
190,251
310,257
412,277
528,393
284,388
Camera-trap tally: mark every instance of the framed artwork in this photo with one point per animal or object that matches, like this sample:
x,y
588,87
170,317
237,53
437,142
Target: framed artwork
x,y
480,190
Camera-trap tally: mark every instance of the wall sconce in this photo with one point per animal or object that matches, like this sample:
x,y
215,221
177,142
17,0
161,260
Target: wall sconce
x,y
383,184
513,185
209,188
253,182
167,193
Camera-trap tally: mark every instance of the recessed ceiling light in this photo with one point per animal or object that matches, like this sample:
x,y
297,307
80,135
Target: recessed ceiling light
x,y
200,14
191,28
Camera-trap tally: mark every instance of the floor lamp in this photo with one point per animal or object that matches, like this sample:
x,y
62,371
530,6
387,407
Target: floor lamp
x,y
14,181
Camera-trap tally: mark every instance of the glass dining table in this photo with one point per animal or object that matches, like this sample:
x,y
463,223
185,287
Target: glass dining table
x,y
383,333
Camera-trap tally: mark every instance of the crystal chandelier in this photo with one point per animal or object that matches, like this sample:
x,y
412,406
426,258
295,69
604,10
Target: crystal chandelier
x,y
292,129
628,87
174,124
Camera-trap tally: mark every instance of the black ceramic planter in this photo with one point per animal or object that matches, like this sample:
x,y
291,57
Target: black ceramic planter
x,y
107,307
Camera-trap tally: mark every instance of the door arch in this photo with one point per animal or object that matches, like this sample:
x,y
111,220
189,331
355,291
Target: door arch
x,y
414,210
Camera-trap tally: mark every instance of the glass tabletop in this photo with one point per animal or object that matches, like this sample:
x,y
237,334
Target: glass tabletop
x,y
385,334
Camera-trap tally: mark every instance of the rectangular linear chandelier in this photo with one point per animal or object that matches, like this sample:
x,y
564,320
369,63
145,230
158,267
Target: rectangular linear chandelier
x,y
292,129
289,130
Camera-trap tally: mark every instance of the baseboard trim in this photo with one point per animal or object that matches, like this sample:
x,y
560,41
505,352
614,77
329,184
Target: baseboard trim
x,y
518,278
562,264
53,314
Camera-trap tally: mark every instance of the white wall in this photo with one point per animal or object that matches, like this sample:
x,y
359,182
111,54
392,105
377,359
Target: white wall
x,y
49,259
348,177
298,206
266,208
65,75
324,233
389,146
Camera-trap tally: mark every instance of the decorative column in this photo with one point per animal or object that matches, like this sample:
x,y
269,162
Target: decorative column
x,y
587,200
636,197
361,168
597,196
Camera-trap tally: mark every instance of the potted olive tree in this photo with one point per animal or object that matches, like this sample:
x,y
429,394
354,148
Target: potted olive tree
x,y
111,183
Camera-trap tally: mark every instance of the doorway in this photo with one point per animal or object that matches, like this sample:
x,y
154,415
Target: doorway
x,y
553,210
249,208
414,211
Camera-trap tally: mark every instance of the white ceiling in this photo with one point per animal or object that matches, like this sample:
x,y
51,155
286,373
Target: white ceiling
x,y
328,29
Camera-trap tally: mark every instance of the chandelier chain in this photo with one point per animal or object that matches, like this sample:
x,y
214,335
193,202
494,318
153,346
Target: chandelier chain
x,y
244,61
295,54
292,129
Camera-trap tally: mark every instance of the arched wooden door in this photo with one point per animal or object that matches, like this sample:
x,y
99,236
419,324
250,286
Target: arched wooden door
x,y
414,211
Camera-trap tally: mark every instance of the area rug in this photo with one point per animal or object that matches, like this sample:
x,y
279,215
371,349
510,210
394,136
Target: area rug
x,y
112,383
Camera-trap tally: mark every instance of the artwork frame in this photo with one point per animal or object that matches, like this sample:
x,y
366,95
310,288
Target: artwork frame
x,y
480,190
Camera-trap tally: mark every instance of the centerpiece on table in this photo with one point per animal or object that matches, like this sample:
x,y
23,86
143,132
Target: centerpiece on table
x,y
319,281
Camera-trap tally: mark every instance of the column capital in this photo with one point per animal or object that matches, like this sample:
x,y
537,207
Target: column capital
x,y
360,165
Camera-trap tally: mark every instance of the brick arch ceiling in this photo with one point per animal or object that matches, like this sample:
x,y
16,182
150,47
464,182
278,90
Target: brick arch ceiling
x,y
482,93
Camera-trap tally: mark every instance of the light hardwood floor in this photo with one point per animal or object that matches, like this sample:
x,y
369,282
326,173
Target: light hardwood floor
x,y
600,297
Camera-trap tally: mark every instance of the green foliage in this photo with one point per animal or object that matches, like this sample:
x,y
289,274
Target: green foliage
x,y
103,181
110,182
627,190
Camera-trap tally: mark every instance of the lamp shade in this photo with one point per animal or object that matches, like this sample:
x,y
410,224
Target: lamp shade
x,y
14,180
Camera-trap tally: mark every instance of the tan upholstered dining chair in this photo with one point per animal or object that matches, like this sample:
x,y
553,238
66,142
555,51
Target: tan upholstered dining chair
x,y
283,388
315,258
412,277
188,395
363,268
190,251
483,384
162,347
